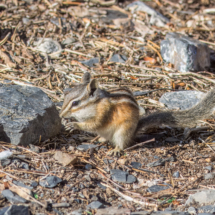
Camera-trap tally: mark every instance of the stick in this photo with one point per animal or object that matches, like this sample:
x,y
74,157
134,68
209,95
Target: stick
x,y
140,144
128,198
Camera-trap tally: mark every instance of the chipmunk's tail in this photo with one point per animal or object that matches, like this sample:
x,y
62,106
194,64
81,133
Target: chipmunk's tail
x,y
185,118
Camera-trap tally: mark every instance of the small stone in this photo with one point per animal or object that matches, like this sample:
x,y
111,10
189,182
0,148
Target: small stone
x,y
118,58
136,165
112,210
102,186
209,176
176,174
68,41
50,181
75,189
85,147
88,167
121,176
182,99
5,162
95,205
12,197
91,62
191,210
48,46
157,188
77,212
207,209
208,168
185,53
65,158
25,21
34,148
34,184
24,165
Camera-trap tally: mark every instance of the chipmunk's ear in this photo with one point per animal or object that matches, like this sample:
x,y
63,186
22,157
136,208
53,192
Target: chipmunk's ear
x,y
86,78
92,86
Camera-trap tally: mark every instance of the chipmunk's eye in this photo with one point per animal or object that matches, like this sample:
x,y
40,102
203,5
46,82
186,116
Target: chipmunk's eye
x,y
75,103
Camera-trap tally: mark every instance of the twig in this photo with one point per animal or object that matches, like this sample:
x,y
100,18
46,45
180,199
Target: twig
x,y
140,144
128,198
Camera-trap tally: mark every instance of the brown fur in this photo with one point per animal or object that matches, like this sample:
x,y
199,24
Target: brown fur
x,y
114,115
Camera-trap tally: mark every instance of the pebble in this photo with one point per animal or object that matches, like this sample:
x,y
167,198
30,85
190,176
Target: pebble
x,y
77,212
136,165
118,58
208,168
19,183
102,186
121,176
85,147
5,162
25,21
50,181
157,188
176,174
191,210
91,62
68,41
209,176
95,205
88,167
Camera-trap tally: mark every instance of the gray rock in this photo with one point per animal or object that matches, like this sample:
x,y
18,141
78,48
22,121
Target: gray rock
x,y
118,58
26,115
136,165
191,210
102,186
15,210
176,174
207,209
159,213
209,168
181,99
156,17
25,21
209,176
34,148
24,165
90,62
203,197
19,183
68,41
88,167
95,205
121,176
184,53
48,46
12,197
85,147
5,162
77,212
157,188
34,184
161,162
50,181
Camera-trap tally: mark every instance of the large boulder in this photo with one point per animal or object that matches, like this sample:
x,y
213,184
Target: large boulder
x,y
27,115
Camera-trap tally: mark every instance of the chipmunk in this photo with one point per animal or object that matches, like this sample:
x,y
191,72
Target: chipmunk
x,y
114,115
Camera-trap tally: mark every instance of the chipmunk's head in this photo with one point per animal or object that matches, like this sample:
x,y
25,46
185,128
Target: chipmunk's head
x,y
79,101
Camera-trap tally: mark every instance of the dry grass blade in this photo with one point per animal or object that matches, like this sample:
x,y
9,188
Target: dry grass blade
x,y
2,42
128,198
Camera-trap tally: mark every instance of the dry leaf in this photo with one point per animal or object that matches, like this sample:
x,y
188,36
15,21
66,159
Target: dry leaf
x,y
65,158
150,60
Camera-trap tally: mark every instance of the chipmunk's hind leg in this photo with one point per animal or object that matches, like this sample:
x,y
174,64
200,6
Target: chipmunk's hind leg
x,y
121,139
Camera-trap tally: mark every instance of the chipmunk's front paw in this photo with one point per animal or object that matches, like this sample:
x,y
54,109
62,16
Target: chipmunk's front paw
x,y
71,126
115,152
